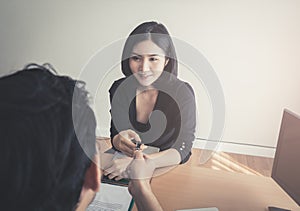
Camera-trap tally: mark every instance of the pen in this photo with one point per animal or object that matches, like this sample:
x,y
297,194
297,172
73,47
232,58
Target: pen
x,y
137,144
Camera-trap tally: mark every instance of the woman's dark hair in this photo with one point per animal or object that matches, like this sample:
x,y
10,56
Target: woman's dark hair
x,y
157,33
42,157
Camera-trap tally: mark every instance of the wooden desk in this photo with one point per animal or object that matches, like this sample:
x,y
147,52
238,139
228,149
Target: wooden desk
x,y
196,187
188,186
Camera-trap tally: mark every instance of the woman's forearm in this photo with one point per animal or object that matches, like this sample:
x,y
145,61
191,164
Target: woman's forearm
x,y
165,158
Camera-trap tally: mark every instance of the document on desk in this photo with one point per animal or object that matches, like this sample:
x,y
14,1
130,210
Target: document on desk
x,y
111,198
201,209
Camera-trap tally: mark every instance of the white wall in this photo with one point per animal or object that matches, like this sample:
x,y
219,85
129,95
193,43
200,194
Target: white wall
x,y
252,45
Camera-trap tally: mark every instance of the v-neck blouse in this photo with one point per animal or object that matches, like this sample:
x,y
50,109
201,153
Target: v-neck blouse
x,y
180,116
142,127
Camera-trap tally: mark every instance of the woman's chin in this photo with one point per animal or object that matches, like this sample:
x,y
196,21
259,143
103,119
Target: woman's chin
x,y
145,84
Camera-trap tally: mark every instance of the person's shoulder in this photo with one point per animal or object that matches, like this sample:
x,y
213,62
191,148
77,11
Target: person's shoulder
x,y
118,82
115,85
184,87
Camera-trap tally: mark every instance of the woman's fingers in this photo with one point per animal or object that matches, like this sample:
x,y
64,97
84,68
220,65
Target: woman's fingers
x,y
118,178
128,143
117,168
111,173
108,170
128,151
128,146
134,135
111,176
123,141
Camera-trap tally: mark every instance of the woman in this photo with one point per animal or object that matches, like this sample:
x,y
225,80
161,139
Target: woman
x,y
149,64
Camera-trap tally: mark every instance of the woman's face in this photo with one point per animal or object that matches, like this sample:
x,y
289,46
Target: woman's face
x,y
147,61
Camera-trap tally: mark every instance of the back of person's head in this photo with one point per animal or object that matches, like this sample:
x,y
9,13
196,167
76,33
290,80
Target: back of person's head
x,y
43,161
158,34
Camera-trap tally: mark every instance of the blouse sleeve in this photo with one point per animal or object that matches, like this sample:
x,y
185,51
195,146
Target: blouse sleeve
x,y
113,130
187,106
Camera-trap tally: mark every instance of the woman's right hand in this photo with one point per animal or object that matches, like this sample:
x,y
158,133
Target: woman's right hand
x,y
123,143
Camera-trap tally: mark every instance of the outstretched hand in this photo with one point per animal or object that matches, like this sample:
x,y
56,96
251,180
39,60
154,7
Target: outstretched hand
x,y
140,171
141,167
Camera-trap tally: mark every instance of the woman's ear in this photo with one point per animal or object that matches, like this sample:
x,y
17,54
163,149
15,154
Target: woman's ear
x,y
167,61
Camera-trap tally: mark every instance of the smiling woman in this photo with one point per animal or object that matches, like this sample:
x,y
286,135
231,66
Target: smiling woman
x,y
149,63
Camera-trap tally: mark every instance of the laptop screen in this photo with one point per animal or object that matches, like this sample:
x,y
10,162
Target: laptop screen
x,y
286,166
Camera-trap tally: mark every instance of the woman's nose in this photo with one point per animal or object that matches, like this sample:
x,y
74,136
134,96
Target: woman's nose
x,y
145,65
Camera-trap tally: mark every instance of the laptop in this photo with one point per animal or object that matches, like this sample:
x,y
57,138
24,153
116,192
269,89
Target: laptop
x,y
286,171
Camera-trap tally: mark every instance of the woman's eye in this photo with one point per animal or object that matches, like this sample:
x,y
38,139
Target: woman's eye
x,y
153,59
135,58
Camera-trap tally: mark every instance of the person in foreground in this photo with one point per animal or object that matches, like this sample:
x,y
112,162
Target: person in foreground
x,y
48,156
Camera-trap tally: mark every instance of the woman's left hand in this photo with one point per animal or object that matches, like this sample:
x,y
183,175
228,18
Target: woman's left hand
x,y
117,168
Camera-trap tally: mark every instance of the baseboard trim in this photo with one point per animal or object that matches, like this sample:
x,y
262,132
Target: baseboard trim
x,y
235,148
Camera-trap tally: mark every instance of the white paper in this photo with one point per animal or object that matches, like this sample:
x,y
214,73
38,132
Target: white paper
x,y
111,198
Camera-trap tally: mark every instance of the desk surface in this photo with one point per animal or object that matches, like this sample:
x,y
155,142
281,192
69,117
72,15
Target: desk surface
x,y
187,187
195,187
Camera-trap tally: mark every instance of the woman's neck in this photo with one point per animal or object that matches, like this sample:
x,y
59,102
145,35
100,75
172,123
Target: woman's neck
x,y
149,90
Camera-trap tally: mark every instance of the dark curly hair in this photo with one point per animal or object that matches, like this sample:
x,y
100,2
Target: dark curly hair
x,y
47,139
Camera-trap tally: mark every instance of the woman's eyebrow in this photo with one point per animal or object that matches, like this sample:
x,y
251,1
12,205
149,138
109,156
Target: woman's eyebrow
x,y
136,54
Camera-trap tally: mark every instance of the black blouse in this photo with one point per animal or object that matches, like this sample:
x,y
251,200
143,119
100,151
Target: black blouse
x,y
179,111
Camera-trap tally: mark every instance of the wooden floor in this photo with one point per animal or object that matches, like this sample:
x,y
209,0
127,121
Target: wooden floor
x,y
225,161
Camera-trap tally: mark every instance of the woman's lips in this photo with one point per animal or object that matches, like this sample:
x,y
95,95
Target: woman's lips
x,y
143,76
